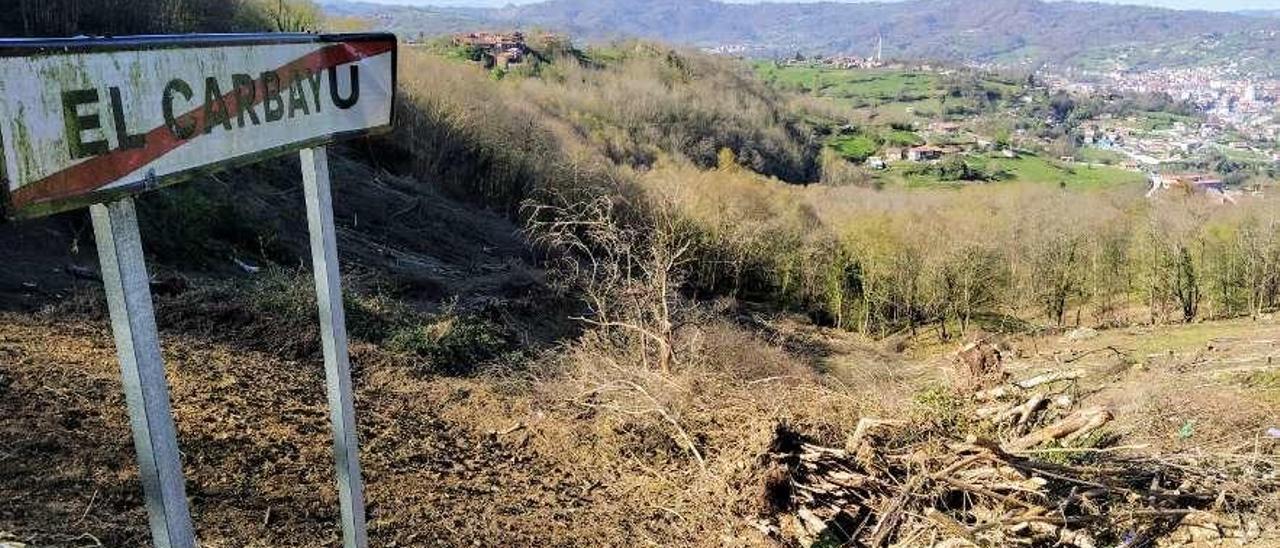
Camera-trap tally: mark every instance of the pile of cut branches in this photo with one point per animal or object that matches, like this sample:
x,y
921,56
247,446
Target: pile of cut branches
x,y
1039,411
891,486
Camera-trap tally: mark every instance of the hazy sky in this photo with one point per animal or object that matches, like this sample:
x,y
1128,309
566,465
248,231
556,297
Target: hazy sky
x,y
1221,5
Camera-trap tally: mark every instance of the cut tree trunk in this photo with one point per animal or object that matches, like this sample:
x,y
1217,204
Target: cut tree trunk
x,y
1069,429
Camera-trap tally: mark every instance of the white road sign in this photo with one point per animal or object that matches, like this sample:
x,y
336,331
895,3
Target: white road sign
x,y
86,120
92,121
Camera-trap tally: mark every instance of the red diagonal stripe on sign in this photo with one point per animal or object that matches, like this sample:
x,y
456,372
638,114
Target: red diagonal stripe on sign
x,y
99,171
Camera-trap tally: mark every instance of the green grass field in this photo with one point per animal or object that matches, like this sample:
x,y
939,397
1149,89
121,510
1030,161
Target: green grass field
x,y
892,94
1036,169
855,148
1246,156
904,95
1093,155
1026,169
900,138
1157,121
863,86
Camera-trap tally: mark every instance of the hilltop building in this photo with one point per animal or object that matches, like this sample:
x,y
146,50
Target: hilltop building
x,y
925,153
497,49
1192,183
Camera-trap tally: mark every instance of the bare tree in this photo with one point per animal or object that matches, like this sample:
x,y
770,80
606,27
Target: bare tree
x,y
1056,274
971,279
1186,285
628,268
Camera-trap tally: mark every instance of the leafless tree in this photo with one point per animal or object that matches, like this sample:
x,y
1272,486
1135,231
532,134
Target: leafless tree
x,y
628,268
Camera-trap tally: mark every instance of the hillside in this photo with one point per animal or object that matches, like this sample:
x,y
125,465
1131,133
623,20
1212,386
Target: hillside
x,y
631,294
1252,52
410,22
958,30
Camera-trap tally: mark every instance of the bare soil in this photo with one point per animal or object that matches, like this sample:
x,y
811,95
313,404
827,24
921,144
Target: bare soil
x,y
502,460
255,441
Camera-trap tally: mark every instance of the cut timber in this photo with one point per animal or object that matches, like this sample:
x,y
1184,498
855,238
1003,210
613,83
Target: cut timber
x,y
994,411
1069,429
812,524
952,527
973,493
1002,392
955,543
1019,415
997,393
1079,539
1051,377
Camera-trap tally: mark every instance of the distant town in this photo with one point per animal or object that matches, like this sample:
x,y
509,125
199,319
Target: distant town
x,y
1240,109
1231,120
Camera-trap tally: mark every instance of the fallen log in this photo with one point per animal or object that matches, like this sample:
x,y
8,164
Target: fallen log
x,y
1069,429
1012,389
1051,377
1021,414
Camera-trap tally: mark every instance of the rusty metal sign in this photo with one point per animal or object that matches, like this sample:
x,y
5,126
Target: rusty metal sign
x,y
86,121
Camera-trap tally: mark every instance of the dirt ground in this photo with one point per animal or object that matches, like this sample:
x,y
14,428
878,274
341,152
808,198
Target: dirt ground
x,y
248,393
254,435
1208,387
488,460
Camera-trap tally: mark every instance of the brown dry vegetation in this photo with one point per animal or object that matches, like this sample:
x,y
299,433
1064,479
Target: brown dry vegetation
x,y
1003,258
715,303
591,446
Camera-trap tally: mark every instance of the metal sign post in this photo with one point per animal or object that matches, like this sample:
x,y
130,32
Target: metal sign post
x,y
133,322
94,121
333,335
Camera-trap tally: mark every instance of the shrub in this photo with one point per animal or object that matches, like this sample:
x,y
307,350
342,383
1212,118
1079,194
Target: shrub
x,y
453,342
579,118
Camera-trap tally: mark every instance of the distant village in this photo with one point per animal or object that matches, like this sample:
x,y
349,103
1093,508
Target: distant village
x,y
1159,154
840,61
1241,122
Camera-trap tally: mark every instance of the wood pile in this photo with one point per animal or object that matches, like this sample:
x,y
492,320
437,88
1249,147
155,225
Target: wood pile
x,y
894,485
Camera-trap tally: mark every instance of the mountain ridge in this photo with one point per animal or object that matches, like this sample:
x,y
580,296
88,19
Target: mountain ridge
x,y
1007,31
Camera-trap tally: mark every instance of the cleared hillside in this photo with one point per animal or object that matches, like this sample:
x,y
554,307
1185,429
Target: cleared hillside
x,y
633,295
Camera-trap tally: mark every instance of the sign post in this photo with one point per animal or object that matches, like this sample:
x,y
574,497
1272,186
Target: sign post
x,y
91,122
333,336
128,288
